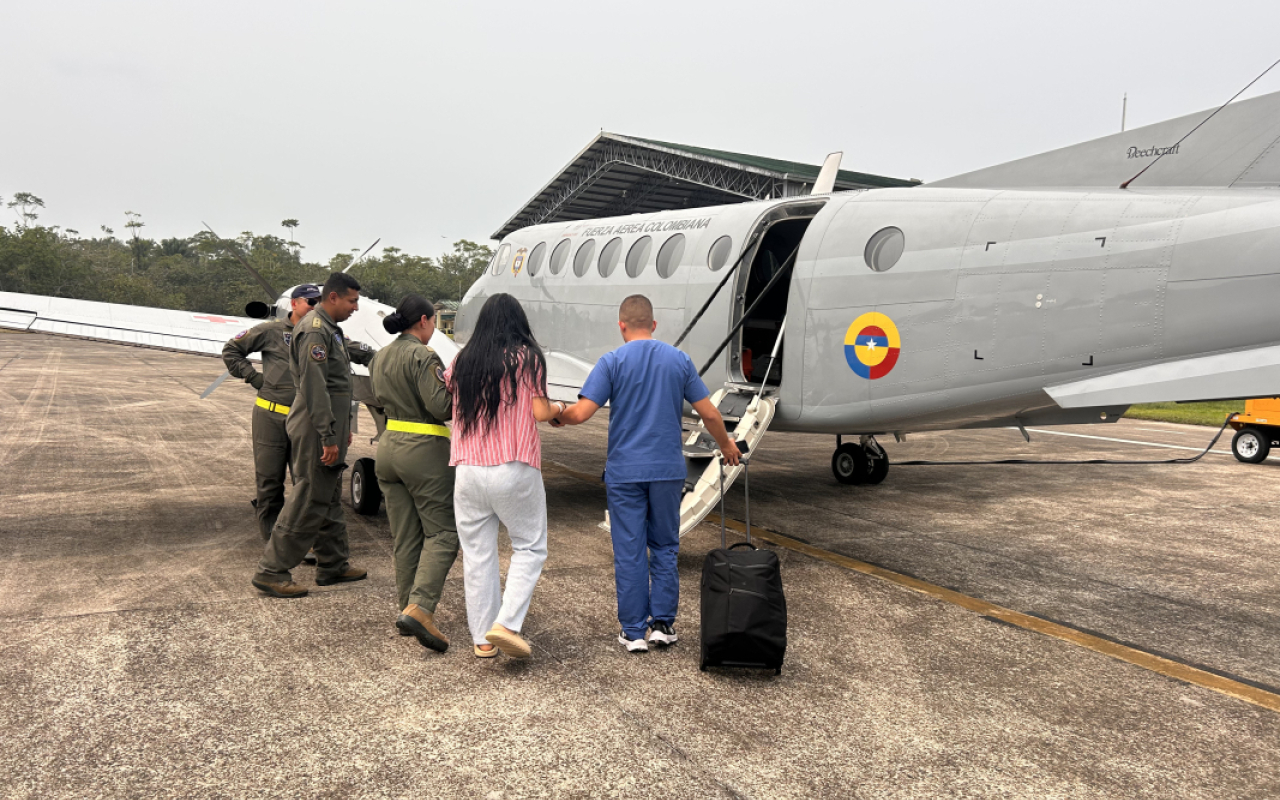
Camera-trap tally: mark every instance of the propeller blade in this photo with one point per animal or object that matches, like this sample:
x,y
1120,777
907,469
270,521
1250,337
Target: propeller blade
x,y
261,280
217,382
826,182
365,253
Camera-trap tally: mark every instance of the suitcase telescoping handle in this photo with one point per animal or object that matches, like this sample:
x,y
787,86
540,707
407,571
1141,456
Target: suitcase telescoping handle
x,y
742,446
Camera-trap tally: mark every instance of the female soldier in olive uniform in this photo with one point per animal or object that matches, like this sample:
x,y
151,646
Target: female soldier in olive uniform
x,y
413,466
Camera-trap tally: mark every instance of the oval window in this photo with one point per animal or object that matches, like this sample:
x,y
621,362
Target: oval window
x,y
535,258
669,255
884,249
718,255
638,256
559,256
582,258
609,257
500,259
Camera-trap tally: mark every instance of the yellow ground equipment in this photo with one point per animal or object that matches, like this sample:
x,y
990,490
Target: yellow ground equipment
x,y
1256,429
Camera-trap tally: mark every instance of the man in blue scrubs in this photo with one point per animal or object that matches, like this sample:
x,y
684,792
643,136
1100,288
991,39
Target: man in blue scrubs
x,y
646,383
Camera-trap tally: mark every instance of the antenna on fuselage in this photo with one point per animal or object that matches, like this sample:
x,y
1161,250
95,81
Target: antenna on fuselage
x,y
1174,148
362,255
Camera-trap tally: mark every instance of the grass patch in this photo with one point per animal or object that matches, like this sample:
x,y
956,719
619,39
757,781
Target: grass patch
x,y
1212,414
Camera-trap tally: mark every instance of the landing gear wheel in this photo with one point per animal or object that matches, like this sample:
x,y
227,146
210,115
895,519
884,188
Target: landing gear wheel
x,y
1251,445
366,495
850,464
879,467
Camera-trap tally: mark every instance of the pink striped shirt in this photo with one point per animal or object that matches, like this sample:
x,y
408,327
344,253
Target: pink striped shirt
x,y
512,436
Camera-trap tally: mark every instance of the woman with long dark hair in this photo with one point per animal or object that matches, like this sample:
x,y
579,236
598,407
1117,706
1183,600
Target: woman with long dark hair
x,y
413,466
499,384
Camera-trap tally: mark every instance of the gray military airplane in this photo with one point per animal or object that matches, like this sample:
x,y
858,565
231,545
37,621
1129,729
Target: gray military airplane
x,y
1051,290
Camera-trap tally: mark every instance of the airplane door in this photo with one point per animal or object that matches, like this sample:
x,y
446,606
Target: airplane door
x,y
762,297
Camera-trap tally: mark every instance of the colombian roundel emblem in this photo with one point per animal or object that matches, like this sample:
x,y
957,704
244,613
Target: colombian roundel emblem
x,y
871,345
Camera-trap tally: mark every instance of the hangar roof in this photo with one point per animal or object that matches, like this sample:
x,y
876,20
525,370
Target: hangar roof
x,y
617,174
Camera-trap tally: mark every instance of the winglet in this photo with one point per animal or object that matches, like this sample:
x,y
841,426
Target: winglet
x,y
826,181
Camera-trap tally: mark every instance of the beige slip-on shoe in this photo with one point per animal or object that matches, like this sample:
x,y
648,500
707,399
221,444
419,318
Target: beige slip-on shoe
x,y
511,644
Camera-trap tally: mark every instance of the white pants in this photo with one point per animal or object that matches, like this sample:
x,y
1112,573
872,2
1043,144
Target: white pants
x,y
513,494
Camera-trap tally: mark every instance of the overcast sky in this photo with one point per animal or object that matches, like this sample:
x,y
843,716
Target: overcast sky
x,y
422,123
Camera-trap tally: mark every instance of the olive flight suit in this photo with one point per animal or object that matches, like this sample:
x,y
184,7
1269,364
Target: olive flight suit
x,y
413,468
275,392
320,415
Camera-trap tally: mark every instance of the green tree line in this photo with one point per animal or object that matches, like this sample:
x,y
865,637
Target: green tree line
x,y
202,272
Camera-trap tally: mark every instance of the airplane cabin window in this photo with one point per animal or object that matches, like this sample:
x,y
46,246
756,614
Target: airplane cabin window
x,y
669,255
559,256
718,255
609,257
582,259
884,249
638,256
535,258
500,260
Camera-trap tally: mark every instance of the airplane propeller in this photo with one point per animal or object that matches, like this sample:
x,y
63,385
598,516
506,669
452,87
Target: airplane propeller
x,y
256,308
271,293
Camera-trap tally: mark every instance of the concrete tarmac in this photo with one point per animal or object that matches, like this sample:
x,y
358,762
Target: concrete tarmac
x,y
137,661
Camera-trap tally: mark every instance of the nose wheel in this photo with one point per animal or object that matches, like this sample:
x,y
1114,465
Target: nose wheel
x,y
858,463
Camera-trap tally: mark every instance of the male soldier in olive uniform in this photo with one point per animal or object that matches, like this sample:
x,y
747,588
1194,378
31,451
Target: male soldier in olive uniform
x,y
275,392
319,426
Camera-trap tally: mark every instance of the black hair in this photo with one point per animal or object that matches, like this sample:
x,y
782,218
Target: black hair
x,y
637,312
500,351
411,309
339,282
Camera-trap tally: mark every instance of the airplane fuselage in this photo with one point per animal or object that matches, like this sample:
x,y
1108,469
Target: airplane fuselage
x,y
996,296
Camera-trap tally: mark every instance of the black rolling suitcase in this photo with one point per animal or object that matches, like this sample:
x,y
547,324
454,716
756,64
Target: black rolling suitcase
x,y
744,613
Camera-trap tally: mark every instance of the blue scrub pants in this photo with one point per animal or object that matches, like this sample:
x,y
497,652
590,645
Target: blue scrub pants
x,y
644,519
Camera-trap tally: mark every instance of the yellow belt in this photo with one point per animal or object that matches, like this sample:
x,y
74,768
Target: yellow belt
x,y
423,428
270,406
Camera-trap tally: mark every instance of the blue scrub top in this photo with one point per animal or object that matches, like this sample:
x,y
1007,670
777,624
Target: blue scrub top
x,y
646,382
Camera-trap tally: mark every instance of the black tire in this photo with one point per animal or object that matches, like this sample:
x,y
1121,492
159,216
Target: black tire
x,y
879,468
1251,445
850,464
366,495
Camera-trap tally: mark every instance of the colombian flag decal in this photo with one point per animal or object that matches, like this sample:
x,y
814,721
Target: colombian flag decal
x,y
871,345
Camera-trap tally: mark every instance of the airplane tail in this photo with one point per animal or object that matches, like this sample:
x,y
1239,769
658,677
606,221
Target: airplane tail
x,y
1240,147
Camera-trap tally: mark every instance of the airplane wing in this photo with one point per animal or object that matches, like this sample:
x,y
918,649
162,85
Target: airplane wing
x,y
140,326
1240,374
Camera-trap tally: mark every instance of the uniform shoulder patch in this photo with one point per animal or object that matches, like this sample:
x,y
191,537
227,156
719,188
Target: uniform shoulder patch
x,y
318,353
242,334
288,338
440,374
316,322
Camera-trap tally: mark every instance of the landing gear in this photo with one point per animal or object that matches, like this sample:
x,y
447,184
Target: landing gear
x,y
366,495
850,464
864,462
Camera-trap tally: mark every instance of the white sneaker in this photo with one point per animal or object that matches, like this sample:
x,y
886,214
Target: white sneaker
x,y
633,645
662,635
